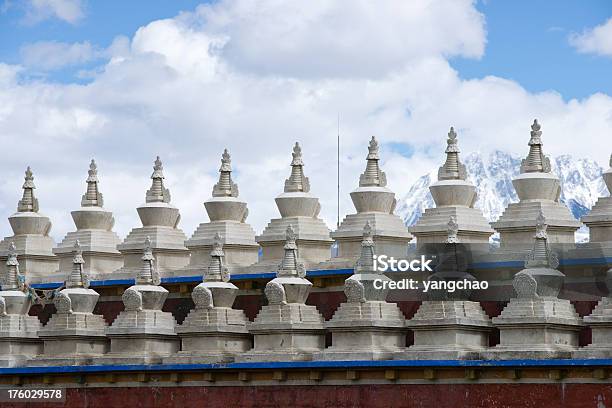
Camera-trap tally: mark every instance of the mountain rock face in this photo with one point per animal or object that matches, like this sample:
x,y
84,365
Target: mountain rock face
x,y
581,185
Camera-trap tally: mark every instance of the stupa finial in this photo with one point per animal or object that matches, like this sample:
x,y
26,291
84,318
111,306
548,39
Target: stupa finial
x,y
290,265
148,273
365,262
10,280
225,187
536,161
28,202
373,176
452,169
77,277
453,230
541,256
217,271
92,197
297,181
158,193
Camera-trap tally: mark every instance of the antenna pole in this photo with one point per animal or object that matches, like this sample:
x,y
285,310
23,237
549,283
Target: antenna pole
x,y
338,173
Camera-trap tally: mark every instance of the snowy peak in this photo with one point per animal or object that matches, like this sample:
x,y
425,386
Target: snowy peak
x,y
581,185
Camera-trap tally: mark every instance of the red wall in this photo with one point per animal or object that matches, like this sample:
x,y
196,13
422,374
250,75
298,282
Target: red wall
x,y
371,396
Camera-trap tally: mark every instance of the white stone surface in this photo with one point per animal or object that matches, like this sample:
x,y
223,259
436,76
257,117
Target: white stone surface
x,y
142,333
227,214
366,327
300,210
213,332
73,334
94,232
30,236
18,330
375,204
599,220
454,197
536,323
287,329
539,191
160,221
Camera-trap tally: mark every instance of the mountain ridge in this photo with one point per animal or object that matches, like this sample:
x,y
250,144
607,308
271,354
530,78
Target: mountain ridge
x,y
581,185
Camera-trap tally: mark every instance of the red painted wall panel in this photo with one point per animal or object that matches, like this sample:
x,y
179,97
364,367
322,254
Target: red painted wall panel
x,y
370,396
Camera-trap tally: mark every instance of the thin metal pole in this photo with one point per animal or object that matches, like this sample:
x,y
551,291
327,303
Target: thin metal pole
x,y
338,172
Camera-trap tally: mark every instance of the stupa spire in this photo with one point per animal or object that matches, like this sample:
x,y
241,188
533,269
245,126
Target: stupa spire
x,y
77,278
158,193
217,271
148,273
290,265
536,161
373,176
365,262
225,187
11,278
297,181
92,197
28,202
541,256
452,169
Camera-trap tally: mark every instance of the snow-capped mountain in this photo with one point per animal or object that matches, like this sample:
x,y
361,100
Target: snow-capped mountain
x,y
581,185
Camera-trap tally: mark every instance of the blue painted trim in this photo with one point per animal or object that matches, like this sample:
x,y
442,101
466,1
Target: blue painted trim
x,y
317,273
182,279
249,276
310,365
562,262
329,272
113,282
495,265
45,286
586,261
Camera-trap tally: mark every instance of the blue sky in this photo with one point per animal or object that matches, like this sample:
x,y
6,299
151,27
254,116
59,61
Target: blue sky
x,y
527,40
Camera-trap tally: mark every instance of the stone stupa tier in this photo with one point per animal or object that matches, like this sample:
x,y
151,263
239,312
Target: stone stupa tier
x,y
94,231
143,333
599,220
213,332
300,210
538,190
287,329
30,236
18,331
366,327
454,197
74,335
448,325
160,221
536,323
375,204
600,322
227,214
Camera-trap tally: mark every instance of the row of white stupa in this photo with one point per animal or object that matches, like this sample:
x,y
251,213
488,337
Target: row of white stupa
x,y
103,252
535,324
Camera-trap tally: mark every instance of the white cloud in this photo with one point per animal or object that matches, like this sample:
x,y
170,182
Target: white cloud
x,y
187,87
70,11
49,55
341,38
596,40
